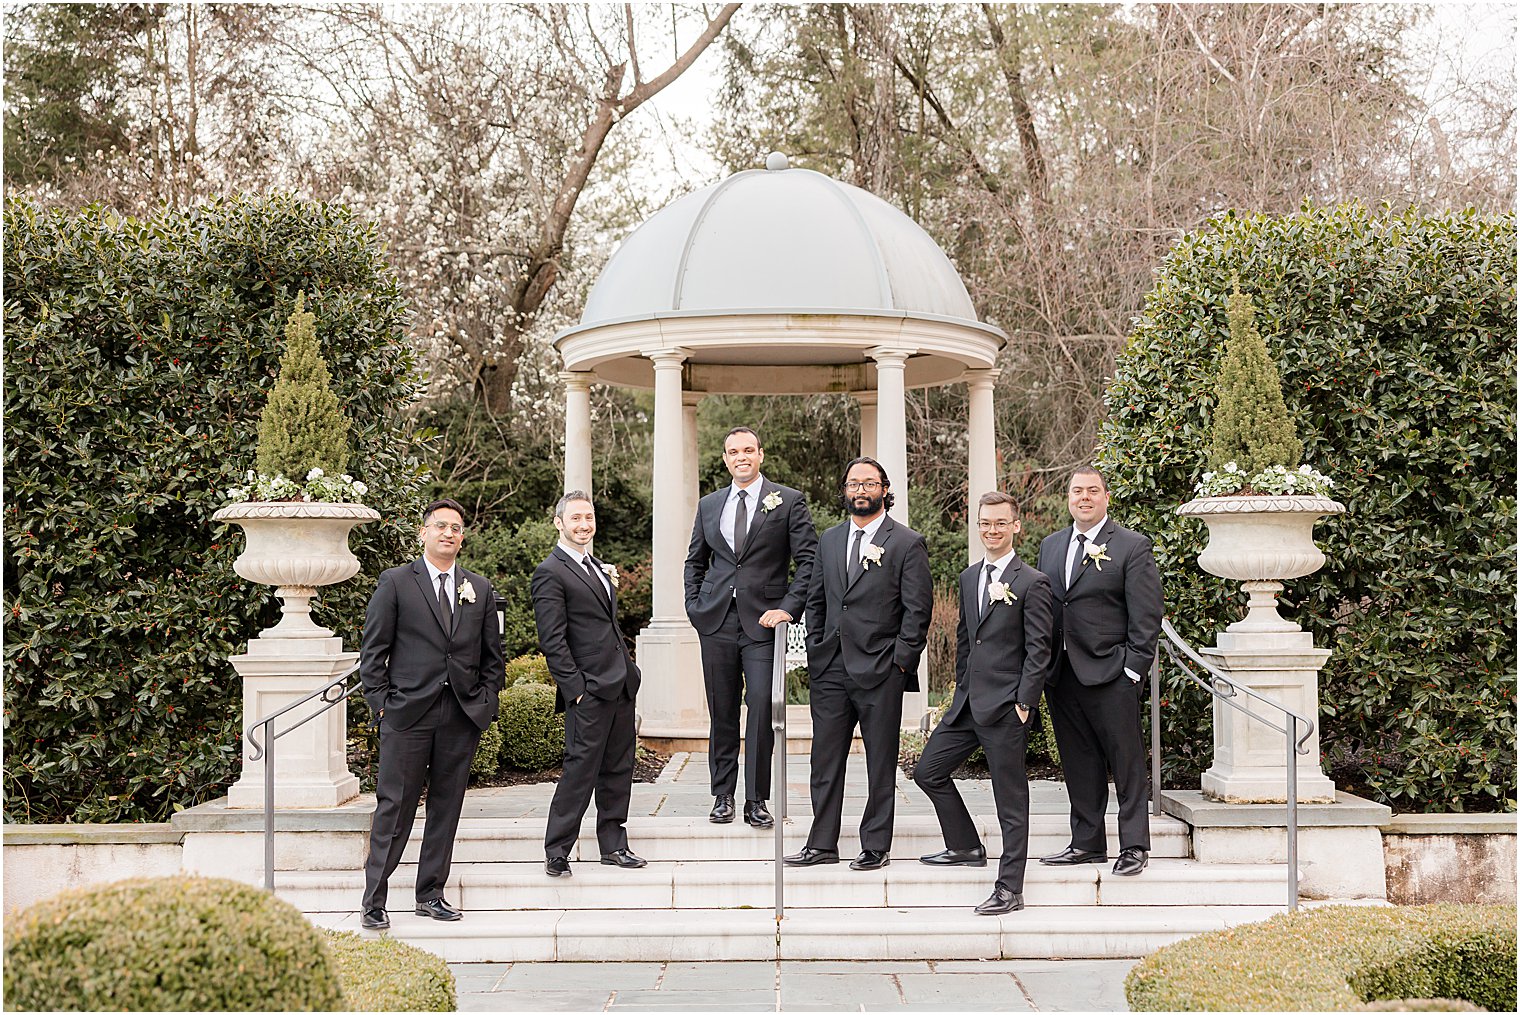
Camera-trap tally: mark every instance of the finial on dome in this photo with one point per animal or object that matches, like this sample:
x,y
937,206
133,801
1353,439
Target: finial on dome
x,y
776,161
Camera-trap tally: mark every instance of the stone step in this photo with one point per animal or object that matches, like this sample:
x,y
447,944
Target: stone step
x,y
695,838
696,885
654,935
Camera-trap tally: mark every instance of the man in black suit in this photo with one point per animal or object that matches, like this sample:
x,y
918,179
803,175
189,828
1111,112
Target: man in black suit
x,y
1107,620
575,606
868,607
743,541
1002,657
431,666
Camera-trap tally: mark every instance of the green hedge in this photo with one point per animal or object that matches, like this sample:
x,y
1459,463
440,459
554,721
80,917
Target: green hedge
x,y
138,354
383,974
1395,334
1334,959
533,734
167,944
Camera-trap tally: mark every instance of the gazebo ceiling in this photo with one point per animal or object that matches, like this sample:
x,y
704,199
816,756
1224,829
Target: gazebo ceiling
x,y
779,281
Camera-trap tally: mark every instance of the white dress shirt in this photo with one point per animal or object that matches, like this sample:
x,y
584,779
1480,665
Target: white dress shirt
x,y
579,556
731,506
448,586
870,536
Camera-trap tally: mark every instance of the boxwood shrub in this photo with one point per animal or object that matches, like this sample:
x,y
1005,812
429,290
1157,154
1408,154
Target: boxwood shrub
x,y
533,734
167,944
383,974
138,355
1335,959
1395,335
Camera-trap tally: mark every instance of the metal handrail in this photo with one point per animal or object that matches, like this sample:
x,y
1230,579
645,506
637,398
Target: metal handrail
x,y
329,694
1224,689
778,759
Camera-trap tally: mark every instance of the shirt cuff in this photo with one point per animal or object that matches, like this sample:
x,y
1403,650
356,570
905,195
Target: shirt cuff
x,y
1132,674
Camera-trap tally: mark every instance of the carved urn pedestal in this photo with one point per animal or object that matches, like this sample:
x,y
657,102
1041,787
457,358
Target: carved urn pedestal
x,y
298,547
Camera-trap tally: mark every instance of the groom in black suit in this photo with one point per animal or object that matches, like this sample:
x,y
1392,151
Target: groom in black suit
x,y
1002,657
745,539
1107,620
431,665
868,607
575,606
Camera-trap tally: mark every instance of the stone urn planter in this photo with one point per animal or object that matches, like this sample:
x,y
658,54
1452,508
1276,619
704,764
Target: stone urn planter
x,y
1261,541
296,546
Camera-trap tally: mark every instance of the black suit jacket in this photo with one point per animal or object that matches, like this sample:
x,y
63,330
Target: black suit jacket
x,y
1110,617
881,620
758,574
1002,658
578,632
407,651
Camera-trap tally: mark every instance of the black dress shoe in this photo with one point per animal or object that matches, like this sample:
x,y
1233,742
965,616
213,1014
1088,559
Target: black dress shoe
x,y
1000,901
755,813
1072,855
375,919
957,858
438,909
557,867
723,809
810,857
870,860
623,858
1131,862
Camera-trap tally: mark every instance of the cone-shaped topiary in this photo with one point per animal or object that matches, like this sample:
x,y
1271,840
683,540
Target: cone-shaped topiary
x,y
167,944
302,426
1251,424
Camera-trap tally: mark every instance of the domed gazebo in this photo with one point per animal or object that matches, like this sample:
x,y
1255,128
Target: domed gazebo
x,y
772,282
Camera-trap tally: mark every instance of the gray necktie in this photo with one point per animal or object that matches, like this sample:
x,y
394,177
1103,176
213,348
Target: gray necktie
x,y
987,584
1071,569
741,522
854,571
443,601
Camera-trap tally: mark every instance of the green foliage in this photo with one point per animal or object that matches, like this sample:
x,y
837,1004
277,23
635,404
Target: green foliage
x,y
1251,424
302,427
1335,959
487,760
1396,344
528,669
136,354
167,944
383,974
533,733
507,555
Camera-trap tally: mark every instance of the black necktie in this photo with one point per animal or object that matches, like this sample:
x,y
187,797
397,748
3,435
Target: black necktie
x,y
443,601
987,584
596,580
1071,571
741,522
855,555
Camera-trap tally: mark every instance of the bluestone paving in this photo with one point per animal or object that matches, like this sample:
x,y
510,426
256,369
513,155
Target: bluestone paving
x,y
536,1000
694,1000
806,990
719,975
606,976
988,991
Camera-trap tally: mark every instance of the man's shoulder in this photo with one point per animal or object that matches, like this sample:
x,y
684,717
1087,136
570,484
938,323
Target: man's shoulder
x,y
1128,535
1059,535
391,574
547,564
474,578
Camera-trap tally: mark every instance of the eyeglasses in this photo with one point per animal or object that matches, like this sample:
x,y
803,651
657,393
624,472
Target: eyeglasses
x,y
995,526
871,484
441,527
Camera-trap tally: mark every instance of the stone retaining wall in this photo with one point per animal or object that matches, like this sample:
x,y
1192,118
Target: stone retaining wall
x,y
1450,858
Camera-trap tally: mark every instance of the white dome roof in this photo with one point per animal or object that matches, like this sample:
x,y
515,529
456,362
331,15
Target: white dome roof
x,y
778,240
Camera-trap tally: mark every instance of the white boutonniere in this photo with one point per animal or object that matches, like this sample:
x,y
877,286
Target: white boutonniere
x,y
1097,553
869,554
998,592
466,592
770,503
612,575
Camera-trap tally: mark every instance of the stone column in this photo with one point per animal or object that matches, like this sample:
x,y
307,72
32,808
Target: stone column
x,y
867,400
577,430
671,700
892,453
981,451
689,460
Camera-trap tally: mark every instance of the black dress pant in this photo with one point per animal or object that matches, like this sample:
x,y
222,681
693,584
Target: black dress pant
x,y
735,667
434,752
837,703
1005,743
599,746
1097,732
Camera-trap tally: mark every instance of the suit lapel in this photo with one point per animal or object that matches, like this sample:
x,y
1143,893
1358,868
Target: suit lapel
x,y
757,514
1078,568
430,594
712,520
581,575
971,604
608,593
883,533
